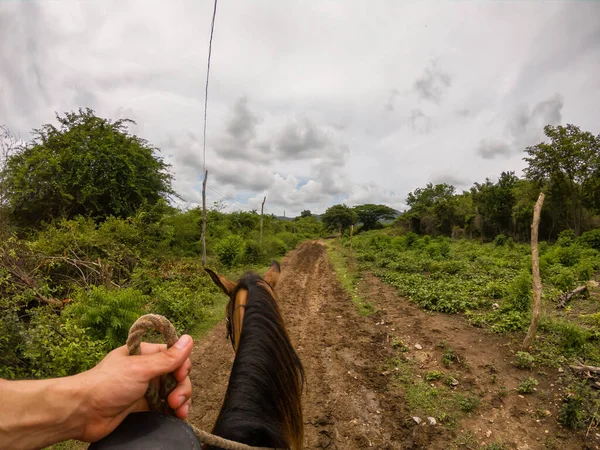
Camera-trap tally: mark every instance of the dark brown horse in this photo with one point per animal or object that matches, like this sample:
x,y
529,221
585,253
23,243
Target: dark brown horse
x,y
262,405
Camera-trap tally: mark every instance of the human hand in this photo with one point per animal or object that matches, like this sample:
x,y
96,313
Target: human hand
x,y
116,386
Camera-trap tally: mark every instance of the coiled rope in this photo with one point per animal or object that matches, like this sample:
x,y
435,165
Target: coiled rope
x,y
157,397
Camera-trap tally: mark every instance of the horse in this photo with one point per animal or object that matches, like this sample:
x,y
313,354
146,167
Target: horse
x,y
262,404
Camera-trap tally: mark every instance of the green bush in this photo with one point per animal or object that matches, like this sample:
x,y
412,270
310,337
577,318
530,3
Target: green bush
x,y
590,239
562,278
229,250
58,346
519,292
500,240
253,253
289,239
524,360
107,313
183,306
275,247
566,238
527,386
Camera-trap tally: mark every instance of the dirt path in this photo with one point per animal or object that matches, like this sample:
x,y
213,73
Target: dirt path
x,y
350,401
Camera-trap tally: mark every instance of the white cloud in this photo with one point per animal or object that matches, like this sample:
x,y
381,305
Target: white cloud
x,y
360,106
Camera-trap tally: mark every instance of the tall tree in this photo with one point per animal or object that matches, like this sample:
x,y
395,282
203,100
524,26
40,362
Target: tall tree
x,y
370,214
568,163
87,166
494,203
433,209
306,213
339,217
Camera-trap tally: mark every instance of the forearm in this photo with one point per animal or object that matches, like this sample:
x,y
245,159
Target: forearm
x,y
35,414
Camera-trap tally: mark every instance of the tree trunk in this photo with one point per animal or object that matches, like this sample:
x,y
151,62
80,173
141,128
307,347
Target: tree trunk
x,y
204,219
536,281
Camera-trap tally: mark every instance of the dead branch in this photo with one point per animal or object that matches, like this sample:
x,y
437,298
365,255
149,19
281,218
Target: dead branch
x,y
567,296
103,271
584,368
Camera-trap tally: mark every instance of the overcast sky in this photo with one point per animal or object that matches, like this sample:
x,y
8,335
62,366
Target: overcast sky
x,y
311,103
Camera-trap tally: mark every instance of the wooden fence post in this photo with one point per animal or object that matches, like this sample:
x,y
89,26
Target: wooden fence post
x,y
535,274
262,208
204,219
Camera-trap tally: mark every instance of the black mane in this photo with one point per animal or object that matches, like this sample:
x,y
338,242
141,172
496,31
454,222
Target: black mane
x,y
262,402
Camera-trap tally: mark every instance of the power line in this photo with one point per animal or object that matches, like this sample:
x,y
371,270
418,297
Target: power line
x,y
212,29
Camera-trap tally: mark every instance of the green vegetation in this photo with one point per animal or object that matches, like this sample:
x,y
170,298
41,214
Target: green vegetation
x,y
348,276
88,243
566,167
443,402
527,386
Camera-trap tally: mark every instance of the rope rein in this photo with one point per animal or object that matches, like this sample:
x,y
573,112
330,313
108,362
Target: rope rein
x,y
157,397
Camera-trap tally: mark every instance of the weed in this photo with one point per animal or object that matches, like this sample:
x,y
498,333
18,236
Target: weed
x,y
468,404
433,376
527,386
448,358
524,360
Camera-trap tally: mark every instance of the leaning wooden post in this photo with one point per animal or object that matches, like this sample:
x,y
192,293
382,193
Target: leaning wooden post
x,y
535,274
262,208
204,219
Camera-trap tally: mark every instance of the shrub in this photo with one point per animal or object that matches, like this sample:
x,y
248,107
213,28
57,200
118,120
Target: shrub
x,y
183,306
590,239
519,292
524,360
500,240
527,386
562,278
107,313
566,238
57,346
229,250
275,247
433,376
253,253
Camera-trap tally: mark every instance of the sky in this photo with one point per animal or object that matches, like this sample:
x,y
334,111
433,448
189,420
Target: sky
x,y
310,103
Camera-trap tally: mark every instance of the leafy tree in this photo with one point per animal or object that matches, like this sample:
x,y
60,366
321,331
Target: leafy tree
x,y
433,209
88,166
339,217
569,163
306,213
370,214
494,203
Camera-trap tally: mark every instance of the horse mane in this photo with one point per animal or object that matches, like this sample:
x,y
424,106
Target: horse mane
x,y
262,405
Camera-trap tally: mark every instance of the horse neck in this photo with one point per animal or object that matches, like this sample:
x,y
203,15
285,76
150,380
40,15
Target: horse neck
x,y
262,402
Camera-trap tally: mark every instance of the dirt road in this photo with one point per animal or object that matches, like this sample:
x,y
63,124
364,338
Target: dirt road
x,y
349,401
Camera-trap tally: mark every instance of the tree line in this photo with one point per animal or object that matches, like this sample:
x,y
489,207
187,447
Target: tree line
x,y
566,167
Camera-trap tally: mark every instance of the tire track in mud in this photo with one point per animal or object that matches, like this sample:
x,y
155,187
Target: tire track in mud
x,y
346,403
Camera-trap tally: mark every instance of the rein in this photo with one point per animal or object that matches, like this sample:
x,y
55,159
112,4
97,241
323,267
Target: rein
x,y
157,397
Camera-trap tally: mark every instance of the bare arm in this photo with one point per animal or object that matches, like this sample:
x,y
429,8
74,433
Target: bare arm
x,y
90,405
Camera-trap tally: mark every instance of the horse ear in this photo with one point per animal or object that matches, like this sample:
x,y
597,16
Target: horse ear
x,y
272,275
225,285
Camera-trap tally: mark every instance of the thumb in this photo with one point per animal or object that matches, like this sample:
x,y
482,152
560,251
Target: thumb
x,y
168,360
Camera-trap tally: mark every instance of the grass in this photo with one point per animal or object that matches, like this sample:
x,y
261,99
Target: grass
x,y
423,399
348,276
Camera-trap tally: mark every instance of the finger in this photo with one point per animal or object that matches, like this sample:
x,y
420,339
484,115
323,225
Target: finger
x,y
181,394
148,348
166,361
183,411
183,371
